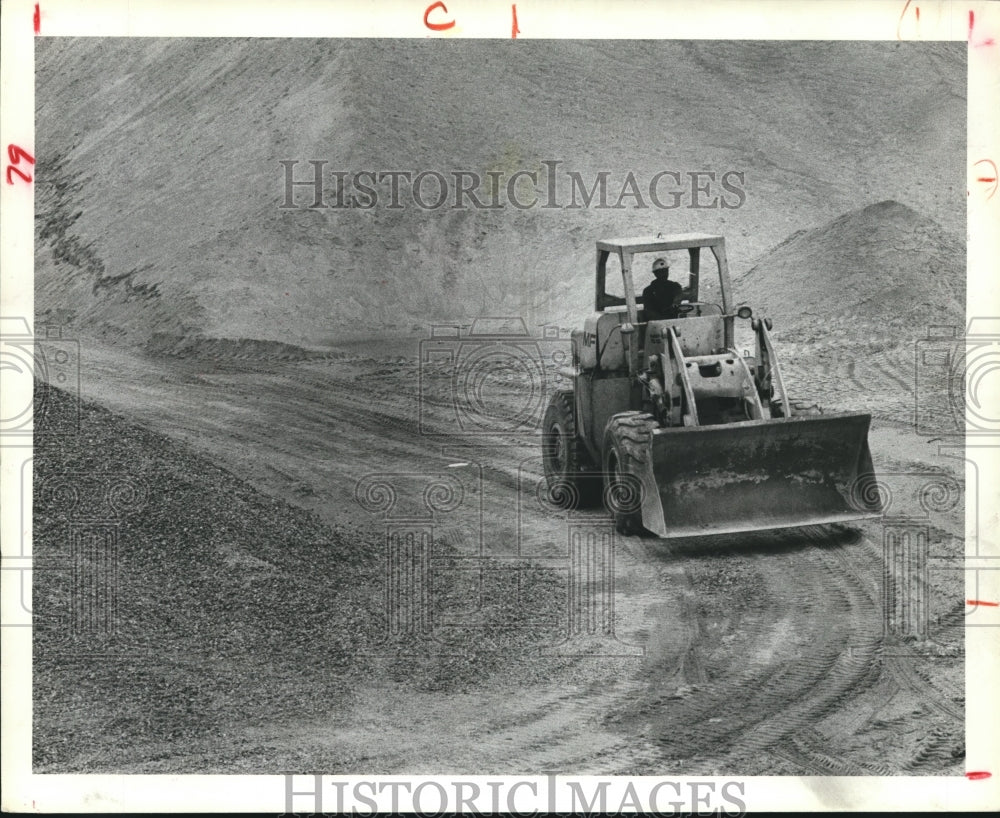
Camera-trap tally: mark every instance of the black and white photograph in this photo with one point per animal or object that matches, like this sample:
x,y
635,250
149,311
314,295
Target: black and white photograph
x,y
612,418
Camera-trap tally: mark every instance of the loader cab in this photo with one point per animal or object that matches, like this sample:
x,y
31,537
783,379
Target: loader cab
x,y
624,267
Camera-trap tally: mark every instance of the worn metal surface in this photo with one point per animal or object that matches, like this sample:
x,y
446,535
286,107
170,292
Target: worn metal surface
x,y
758,475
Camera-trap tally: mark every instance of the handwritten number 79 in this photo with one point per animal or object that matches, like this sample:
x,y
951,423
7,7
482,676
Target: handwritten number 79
x,y
16,154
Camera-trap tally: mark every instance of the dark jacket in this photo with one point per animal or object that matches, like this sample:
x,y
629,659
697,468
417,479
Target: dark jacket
x,y
659,297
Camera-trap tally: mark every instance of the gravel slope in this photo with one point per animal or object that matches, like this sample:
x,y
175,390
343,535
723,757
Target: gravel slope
x,y
237,613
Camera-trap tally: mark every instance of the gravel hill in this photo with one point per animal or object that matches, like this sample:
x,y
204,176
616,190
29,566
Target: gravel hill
x,y
159,183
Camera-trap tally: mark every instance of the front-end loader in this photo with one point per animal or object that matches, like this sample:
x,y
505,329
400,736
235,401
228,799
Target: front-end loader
x,y
682,435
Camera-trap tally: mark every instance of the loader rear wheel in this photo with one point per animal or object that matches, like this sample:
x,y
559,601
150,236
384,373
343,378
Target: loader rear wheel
x,y
569,472
627,440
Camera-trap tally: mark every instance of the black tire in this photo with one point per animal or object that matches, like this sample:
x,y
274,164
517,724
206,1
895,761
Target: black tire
x,y
627,439
569,471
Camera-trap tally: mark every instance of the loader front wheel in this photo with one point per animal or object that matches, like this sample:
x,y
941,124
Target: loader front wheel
x,y
627,440
571,477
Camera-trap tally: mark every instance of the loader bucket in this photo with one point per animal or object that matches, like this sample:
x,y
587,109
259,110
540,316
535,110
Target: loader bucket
x,y
759,475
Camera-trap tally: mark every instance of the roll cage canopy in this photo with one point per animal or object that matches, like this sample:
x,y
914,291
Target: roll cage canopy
x,y
624,249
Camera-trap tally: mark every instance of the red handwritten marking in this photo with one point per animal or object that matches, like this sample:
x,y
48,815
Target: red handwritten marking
x,y
11,169
38,19
514,30
437,26
978,775
972,22
981,602
988,179
917,10
899,22
16,154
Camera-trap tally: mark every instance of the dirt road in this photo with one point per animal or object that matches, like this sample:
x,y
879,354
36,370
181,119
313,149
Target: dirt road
x,y
751,654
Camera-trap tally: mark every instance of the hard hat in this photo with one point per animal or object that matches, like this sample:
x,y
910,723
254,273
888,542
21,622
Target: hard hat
x,y
660,264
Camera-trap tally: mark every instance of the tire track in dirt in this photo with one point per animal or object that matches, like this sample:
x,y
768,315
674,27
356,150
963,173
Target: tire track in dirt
x,y
848,663
903,673
803,753
754,709
934,691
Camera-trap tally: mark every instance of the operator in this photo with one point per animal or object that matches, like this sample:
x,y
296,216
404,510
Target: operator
x,y
659,297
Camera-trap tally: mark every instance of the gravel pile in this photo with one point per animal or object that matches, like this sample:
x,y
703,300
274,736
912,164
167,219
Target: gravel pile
x,y
196,620
226,607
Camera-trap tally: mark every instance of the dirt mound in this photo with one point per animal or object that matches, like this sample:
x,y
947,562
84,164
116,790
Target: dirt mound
x,y
851,301
883,271
160,185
